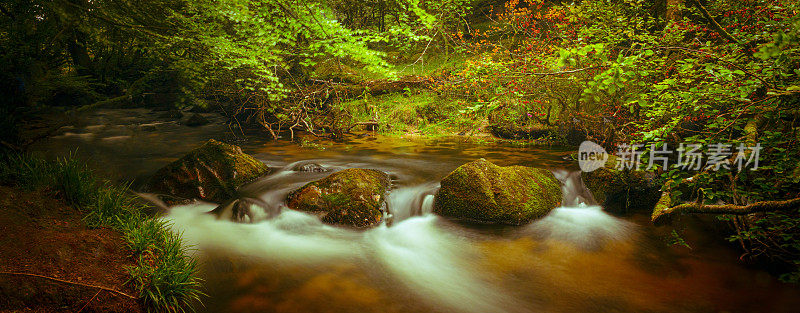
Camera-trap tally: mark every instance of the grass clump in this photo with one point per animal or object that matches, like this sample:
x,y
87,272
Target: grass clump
x,y
165,275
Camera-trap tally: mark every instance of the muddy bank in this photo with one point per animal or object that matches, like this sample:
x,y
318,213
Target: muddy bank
x,y
43,236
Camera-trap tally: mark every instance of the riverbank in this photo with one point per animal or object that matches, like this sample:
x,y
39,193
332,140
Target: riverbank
x,y
71,227
54,262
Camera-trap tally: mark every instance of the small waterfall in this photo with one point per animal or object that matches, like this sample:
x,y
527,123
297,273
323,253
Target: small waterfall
x,y
427,204
411,246
579,220
435,264
405,202
575,193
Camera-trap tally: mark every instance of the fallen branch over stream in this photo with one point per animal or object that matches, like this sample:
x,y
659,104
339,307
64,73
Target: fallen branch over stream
x,y
663,215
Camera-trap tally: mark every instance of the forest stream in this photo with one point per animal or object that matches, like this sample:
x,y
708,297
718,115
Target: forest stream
x,y
576,259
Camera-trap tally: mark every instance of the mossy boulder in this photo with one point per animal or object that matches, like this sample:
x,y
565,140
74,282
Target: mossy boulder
x,y
481,191
623,191
211,172
353,197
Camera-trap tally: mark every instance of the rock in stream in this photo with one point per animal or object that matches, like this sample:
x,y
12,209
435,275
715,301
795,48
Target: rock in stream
x,y
483,192
211,172
353,197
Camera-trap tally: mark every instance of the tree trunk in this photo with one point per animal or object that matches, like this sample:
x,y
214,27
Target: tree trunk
x,y
80,54
667,11
673,12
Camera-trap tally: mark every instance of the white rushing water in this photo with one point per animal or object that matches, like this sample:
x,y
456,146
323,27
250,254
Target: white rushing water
x,y
418,249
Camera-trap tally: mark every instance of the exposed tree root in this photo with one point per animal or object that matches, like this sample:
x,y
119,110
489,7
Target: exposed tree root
x,y
71,282
311,111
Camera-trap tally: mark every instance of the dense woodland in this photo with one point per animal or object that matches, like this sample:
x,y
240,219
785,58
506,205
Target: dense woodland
x,y
554,72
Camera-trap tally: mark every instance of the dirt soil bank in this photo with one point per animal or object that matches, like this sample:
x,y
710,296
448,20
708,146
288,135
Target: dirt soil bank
x,y
42,236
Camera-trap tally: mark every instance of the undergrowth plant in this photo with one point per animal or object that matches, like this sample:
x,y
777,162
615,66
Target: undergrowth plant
x,y
165,275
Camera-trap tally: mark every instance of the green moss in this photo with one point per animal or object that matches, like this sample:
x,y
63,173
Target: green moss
x,y
211,172
484,192
352,197
414,111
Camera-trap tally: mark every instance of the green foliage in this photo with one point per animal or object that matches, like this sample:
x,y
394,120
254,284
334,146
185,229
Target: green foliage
x,y
675,239
66,177
112,207
691,85
165,274
620,71
74,181
259,41
26,171
181,52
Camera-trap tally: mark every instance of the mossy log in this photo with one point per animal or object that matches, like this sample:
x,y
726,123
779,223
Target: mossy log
x,y
663,214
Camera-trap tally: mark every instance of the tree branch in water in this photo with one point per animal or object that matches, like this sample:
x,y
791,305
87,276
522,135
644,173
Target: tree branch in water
x,y
662,214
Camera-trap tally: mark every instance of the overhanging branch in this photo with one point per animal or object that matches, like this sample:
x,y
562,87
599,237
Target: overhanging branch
x,y
663,215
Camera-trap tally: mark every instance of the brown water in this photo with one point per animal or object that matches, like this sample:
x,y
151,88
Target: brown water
x,y
577,259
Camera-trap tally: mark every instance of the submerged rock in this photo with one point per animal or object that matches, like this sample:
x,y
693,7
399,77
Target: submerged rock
x,y
622,191
245,210
171,114
211,172
310,167
353,197
196,120
483,192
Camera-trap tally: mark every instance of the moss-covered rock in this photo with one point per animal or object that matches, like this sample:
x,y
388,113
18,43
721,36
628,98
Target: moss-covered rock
x,y
353,197
535,131
211,172
484,192
622,191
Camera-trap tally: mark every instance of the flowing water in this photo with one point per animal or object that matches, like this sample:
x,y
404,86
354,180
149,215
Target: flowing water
x,y
576,259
